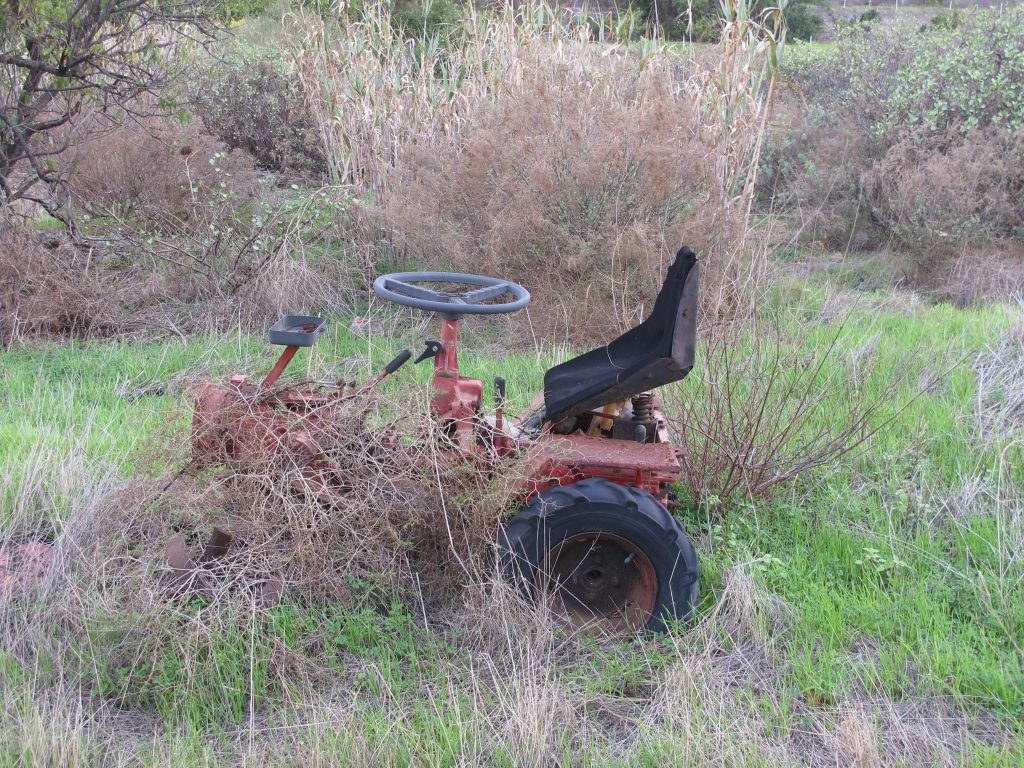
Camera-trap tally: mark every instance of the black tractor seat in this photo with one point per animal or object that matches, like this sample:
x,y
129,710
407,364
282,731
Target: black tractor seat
x,y
657,352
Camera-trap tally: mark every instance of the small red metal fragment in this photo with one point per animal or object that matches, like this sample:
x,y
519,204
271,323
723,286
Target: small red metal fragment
x,y
217,547
25,565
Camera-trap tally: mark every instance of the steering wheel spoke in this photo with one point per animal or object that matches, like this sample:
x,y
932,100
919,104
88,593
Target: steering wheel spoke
x,y
480,295
415,291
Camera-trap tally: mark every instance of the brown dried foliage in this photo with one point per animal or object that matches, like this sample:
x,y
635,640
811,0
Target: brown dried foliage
x,y
50,288
395,510
152,170
939,191
582,199
762,411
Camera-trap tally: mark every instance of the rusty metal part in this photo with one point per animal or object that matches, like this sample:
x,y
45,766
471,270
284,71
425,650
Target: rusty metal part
x,y
184,571
280,365
564,459
269,592
456,403
25,565
217,547
188,577
600,581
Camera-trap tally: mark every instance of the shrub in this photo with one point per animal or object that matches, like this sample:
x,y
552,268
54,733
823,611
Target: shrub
x,y
583,200
905,135
251,101
525,147
426,19
133,171
938,78
951,20
962,78
803,22
240,9
702,20
947,191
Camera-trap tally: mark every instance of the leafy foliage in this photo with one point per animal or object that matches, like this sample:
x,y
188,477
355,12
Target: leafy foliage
x,y
251,101
701,20
940,78
63,61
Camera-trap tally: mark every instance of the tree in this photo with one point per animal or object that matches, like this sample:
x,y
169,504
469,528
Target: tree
x,y
64,63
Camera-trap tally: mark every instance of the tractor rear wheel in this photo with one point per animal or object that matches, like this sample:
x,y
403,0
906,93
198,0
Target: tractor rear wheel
x,y
606,556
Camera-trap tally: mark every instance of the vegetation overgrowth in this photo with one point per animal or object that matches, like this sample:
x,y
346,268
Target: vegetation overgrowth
x,y
852,446
909,139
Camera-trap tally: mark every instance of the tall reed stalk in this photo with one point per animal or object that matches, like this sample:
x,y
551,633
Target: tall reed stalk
x,y
375,92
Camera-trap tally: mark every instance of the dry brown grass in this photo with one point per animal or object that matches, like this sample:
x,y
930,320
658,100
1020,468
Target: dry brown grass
x,y
523,148
516,689
583,200
189,240
153,169
50,288
938,193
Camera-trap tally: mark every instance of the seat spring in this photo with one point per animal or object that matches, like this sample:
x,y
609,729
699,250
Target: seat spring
x,y
643,407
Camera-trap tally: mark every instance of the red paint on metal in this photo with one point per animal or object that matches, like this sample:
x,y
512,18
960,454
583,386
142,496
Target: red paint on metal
x,y
25,565
280,365
456,402
567,459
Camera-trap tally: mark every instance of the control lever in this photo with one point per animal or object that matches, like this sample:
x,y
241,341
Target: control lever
x,y
371,386
499,404
400,359
433,349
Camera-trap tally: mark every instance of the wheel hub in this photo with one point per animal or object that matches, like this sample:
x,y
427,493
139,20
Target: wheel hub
x,y
599,580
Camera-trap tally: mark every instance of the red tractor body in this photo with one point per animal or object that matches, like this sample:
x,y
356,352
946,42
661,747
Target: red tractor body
x,y
598,426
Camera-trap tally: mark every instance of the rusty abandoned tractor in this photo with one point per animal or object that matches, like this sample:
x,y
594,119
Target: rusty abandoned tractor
x,y
594,539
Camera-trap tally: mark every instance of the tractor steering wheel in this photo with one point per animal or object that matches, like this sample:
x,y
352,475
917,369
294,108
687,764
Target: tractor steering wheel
x,y
403,288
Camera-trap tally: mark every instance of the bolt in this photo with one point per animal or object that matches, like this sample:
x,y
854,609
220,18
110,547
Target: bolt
x,y
629,559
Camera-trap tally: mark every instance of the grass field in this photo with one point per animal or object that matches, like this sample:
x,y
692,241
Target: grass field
x,y
870,613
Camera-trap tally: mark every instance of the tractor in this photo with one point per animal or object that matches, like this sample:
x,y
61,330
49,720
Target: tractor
x,y
594,538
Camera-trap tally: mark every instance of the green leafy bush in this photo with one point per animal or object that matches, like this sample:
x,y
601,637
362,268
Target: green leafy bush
x,y
963,78
250,101
906,135
802,20
240,9
938,78
427,19
701,20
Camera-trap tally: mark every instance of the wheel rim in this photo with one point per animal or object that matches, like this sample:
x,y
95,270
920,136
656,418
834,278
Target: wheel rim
x,y
599,581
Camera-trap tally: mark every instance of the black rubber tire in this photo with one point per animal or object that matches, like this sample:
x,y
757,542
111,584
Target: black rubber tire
x,y
596,505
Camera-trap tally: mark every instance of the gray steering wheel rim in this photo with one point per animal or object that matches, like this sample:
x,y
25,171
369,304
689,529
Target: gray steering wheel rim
x,y
445,303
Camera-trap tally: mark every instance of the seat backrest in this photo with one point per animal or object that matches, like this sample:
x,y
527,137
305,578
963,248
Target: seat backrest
x,y
658,351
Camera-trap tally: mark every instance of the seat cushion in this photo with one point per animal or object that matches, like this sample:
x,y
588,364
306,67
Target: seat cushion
x,y
658,351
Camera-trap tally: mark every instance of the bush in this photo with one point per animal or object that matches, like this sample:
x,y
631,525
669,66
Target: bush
x,y
427,19
938,192
153,170
701,20
240,9
905,135
962,78
584,200
250,101
803,22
